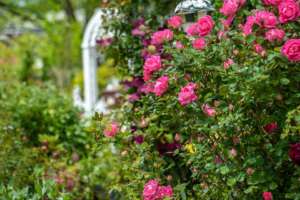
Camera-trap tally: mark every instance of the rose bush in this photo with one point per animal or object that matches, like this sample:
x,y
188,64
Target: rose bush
x,y
224,124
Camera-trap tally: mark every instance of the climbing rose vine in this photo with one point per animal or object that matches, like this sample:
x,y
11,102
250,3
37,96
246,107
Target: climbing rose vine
x,y
212,108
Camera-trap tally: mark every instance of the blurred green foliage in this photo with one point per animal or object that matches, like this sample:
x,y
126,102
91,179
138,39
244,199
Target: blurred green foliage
x,y
48,150
48,48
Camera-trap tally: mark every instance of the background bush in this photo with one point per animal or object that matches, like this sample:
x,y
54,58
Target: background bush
x,y
48,150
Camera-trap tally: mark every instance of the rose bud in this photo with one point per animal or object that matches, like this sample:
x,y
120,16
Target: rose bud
x,y
230,107
204,185
236,140
169,178
216,103
75,157
233,152
151,49
144,123
236,52
177,137
294,153
250,171
271,127
267,195
279,97
124,153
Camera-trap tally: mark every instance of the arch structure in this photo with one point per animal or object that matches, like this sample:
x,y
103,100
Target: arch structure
x,y
90,58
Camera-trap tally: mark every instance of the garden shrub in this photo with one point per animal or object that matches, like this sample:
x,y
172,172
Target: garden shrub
x,y
49,150
212,111
41,112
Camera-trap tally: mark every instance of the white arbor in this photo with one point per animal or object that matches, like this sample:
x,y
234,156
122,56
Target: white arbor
x,y
90,57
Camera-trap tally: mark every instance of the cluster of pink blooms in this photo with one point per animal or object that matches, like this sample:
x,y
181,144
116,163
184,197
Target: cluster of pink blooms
x,y
275,34
229,9
201,28
161,86
151,65
153,191
288,10
111,130
187,94
175,22
160,37
262,18
138,27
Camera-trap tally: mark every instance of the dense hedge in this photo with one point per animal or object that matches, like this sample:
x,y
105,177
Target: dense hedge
x,y
213,111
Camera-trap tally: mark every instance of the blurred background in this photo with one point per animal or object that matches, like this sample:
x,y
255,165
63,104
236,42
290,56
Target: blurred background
x,y
40,40
48,148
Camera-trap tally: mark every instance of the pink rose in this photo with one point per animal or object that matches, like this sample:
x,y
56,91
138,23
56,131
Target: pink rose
x,y
230,7
291,50
175,22
266,19
275,34
259,50
271,127
206,24
289,10
161,85
271,2
262,18
228,63
267,195
164,191
179,45
187,94
152,64
248,27
199,44
153,191
111,130
150,190
209,111
192,29
160,37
